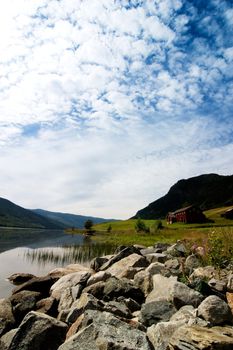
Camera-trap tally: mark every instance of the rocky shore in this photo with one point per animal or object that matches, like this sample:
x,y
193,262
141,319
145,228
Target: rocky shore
x,y
156,298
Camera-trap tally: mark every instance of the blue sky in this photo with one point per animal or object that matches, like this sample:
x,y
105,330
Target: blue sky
x,y
105,104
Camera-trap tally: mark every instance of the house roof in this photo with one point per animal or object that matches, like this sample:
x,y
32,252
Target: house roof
x,y
182,209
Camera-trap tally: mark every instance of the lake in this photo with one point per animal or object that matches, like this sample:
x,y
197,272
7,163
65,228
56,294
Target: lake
x,y
39,251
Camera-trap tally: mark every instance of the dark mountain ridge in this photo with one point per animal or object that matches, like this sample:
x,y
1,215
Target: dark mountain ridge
x,y
12,215
69,220
206,191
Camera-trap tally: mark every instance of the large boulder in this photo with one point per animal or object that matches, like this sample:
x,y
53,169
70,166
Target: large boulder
x,y
159,334
97,277
68,281
62,271
215,310
156,311
183,295
114,288
119,256
119,268
38,331
162,287
6,339
7,319
37,284
201,338
23,302
107,332
19,278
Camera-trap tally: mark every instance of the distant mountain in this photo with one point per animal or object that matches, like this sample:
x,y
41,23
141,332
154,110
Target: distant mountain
x,y
12,215
69,220
207,191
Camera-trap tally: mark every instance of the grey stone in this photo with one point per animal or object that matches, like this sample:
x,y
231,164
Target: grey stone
x,y
96,289
156,268
191,263
183,295
162,287
7,319
122,287
156,311
66,299
156,257
86,302
97,263
47,306
219,285
215,310
37,284
230,283
19,278
6,339
23,302
177,249
62,271
159,334
107,332
38,331
118,309
99,276
119,268
68,281
143,280
121,255
201,338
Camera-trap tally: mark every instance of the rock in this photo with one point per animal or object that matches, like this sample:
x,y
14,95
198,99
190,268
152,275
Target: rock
x,y
177,249
131,304
143,280
23,302
18,278
156,257
119,268
114,288
183,295
215,310
66,300
121,255
86,302
162,287
148,250
7,319
96,263
107,332
159,334
201,338
118,309
229,297
96,289
173,265
63,271
204,273
219,285
68,281
192,262
188,315
156,311
99,276
38,331
156,268
6,339
230,283
161,247
47,306
37,284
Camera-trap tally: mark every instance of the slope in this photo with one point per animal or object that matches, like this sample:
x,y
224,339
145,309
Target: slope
x,y
207,191
12,215
69,220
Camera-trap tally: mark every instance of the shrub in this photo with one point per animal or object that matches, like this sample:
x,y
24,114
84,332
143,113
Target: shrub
x,y
140,226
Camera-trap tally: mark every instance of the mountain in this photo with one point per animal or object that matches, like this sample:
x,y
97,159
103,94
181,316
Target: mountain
x,y
12,215
207,191
69,220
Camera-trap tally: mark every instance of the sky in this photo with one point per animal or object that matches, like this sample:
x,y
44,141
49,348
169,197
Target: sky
x,y
104,104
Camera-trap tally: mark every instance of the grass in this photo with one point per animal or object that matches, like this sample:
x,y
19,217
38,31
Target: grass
x,y
123,232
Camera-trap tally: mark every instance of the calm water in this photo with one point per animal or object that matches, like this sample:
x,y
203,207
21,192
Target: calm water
x,y
38,252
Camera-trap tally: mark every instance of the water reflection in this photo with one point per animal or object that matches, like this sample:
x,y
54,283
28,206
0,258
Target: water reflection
x,y
67,254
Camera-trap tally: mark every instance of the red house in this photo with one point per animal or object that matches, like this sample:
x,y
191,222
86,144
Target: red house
x,y
228,214
188,215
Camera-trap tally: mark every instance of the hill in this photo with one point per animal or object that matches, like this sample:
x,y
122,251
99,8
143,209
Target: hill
x,y
12,215
69,220
207,191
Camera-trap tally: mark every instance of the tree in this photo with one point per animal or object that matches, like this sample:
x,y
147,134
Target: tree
x,y
140,226
109,229
88,225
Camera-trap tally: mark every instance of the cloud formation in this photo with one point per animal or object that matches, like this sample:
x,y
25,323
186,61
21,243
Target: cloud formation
x,y
104,104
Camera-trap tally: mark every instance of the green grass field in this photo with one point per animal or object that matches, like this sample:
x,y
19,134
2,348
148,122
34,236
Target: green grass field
x,y
124,233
